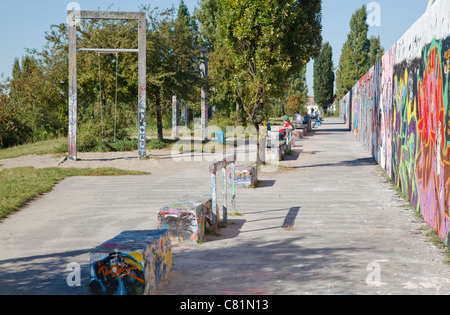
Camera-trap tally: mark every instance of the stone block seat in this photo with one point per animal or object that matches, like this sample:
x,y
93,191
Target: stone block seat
x,y
300,130
245,175
275,148
186,218
132,263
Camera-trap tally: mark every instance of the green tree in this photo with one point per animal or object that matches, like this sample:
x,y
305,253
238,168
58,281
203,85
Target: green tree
x,y
360,43
39,87
172,63
27,101
358,54
207,14
97,71
324,77
4,97
267,43
297,94
190,22
225,92
376,51
344,73
53,61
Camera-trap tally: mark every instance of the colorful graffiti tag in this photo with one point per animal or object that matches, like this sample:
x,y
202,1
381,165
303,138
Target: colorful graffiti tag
x,y
186,218
400,112
245,175
134,262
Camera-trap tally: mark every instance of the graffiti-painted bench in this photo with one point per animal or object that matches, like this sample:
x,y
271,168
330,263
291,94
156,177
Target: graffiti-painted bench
x,y
134,262
300,131
276,148
186,218
245,175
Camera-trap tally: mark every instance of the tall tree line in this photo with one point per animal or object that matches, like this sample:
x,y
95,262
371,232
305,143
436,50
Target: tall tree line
x,y
324,77
358,55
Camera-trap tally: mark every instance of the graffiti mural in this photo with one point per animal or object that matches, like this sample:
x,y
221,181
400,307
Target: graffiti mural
x,y
132,263
385,108
433,159
245,175
118,274
404,140
186,218
344,109
400,113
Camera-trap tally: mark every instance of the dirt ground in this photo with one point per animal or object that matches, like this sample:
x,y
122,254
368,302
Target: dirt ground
x,y
158,162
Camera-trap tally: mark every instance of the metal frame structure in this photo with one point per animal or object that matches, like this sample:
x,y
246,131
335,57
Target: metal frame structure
x,y
73,18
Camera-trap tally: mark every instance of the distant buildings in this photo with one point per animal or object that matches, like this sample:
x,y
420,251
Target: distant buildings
x,y
312,105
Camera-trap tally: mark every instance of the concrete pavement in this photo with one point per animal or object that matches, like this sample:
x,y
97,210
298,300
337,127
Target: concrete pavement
x,y
326,223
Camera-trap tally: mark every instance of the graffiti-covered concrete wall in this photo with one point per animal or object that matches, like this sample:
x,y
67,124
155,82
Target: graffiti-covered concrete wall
x,y
400,112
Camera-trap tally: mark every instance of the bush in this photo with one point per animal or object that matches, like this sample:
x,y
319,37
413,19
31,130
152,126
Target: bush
x,y
222,121
13,132
89,137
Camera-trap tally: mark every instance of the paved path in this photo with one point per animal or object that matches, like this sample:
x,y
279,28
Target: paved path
x,y
317,226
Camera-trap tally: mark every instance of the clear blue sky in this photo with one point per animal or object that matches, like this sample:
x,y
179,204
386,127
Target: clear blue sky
x,y
23,23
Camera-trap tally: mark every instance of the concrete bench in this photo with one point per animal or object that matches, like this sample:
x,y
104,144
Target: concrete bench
x,y
300,131
276,148
298,134
186,218
245,175
134,262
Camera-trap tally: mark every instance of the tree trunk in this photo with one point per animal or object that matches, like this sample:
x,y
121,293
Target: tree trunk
x,y
159,117
258,148
238,115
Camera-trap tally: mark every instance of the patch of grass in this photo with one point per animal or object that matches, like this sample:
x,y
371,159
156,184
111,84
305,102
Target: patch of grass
x,y
276,121
155,144
22,184
210,231
124,145
60,146
434,239
290,152
252,185
56,146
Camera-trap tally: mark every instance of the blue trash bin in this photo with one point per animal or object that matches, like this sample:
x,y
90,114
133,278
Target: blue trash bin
x,y
219,136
